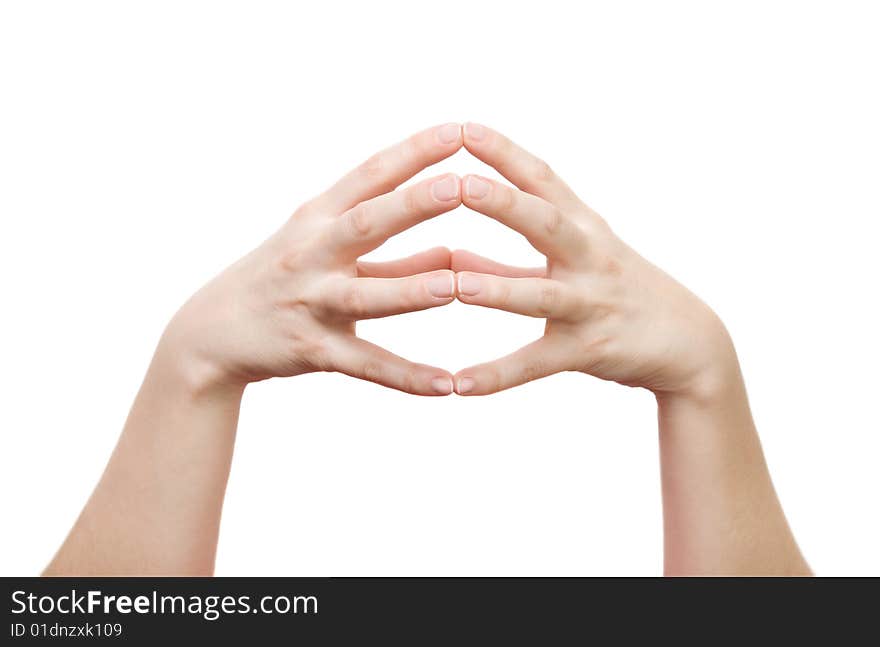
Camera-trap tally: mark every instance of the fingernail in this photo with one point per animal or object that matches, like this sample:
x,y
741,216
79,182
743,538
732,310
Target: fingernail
x,y
465,385
468,284
449,133
442,385
477,187
445,189
474,131
442,287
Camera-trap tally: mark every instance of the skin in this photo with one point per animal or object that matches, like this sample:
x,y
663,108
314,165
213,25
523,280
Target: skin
x,y
290,307
287,308
612,314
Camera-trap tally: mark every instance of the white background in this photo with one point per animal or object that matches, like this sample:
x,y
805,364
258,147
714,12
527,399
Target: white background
x,y
145,146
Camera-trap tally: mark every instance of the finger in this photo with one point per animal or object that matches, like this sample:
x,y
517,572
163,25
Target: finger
x,y
465,261
369,224
529,173
388,169
536,360
370,298
366,361
545,226
438,258
533,297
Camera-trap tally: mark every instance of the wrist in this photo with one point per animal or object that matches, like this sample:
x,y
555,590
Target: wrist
x,y
179,367
716,393
716,377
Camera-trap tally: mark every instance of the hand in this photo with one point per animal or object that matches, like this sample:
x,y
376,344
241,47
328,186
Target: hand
x,y
609,312
290,306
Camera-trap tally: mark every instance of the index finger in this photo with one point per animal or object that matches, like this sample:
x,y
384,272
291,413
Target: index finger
x,y
539,359
388,169
525,170
361,359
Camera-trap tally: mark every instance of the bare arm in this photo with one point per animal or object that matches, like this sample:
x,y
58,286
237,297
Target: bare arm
x,y
287,308
721,514
612,314
156,509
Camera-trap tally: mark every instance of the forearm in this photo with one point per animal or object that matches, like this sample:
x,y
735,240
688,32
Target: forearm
x,y
156,509
721,515
287,308
612,314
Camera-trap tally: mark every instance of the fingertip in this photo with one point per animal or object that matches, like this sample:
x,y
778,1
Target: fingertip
x,y
458,259
456,179
468,285
474,133
441,257
474,187
464,385
450,134
447,188
442,385
441,285
442,252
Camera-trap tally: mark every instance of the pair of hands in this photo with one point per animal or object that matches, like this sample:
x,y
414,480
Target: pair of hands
x,y
290,306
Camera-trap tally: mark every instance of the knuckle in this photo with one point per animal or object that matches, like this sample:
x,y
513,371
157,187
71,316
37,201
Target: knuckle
x,y
411,202
502,294
542,171
372,370
597,222
409,381
306,210
603,310
492,378
533,370
611,266
415,294
594,229
374,167
353,301
548,300
504,147
416,146
304,350
507,200
408,296
580,308
358,221
289,261
553,221
314,352
309,298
